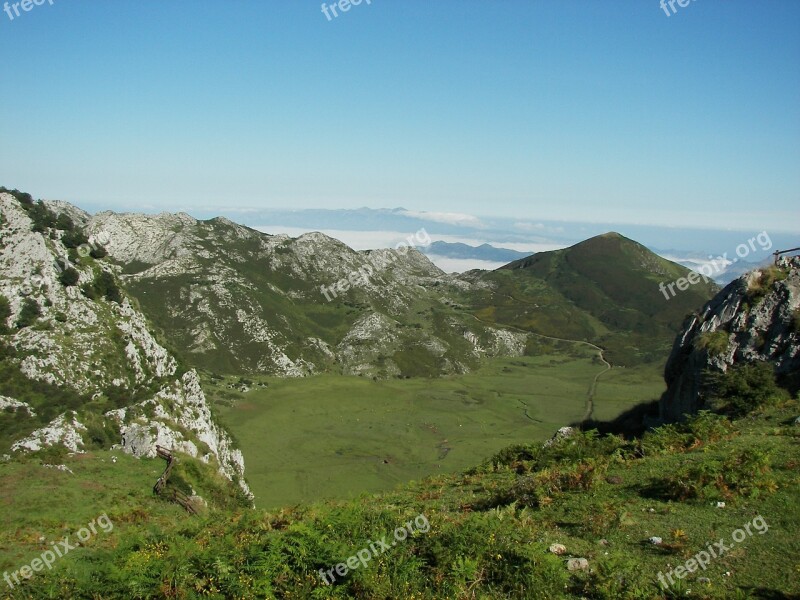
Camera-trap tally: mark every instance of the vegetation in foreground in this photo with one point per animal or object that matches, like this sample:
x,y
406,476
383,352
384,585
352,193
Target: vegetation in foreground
x,y
604,498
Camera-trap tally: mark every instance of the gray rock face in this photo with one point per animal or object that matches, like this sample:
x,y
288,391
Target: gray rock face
x,y
77,335
265,304
177,408
760,320
91,346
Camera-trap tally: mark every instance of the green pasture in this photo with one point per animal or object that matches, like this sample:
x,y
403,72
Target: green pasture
x,y
331,436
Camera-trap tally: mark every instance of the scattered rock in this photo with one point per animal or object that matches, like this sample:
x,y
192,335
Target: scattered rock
x,y
604,542
65,430
63,468
720,505
577,564
559,436
15,405
656,541
190,413
198,501
558,549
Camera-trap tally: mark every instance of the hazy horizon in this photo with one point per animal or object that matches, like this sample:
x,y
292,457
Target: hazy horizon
x,y
595,112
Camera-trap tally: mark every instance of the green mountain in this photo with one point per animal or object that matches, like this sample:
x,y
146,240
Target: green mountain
x,y
605,290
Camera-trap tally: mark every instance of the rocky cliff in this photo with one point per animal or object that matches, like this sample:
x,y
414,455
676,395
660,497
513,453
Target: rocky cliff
x,y
754,318
69,327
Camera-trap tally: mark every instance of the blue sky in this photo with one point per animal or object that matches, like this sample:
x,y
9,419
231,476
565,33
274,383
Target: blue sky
x,y
577,110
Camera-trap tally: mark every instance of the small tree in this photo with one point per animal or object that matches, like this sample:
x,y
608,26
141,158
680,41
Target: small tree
x,y
74,238
29,313
64,222
5,312
103,285
745,387
69,277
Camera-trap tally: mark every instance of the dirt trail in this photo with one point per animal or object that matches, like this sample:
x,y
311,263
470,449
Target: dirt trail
x,y
592,388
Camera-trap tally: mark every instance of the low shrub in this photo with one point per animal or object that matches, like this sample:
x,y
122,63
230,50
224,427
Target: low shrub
x,y
69,277
103,286
744,388
700,429
714,342
5,313
746,474
29,313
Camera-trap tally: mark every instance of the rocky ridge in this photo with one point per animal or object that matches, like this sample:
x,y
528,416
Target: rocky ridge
x,y
241,301
754,318
98,349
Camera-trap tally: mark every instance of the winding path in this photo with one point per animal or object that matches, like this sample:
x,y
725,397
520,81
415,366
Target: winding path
x,y
592,388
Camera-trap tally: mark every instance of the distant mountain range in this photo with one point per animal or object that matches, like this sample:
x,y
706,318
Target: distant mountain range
x,y
485,252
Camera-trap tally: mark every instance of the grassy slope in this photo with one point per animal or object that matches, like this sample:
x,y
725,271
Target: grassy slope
x,y
329,436
483,542
604,290
38,501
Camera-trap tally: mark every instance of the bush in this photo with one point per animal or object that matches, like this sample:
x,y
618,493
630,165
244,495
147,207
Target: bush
x,y
26,200
762,284
713,342
64,223
29,314
702,428
100,432
41,216
103,286
744,388
5,312
98,252
744,474
74,239
69,277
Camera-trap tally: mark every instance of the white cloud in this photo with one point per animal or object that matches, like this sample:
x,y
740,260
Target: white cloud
x,y
460,265
525,226
445,217
372,240
537,227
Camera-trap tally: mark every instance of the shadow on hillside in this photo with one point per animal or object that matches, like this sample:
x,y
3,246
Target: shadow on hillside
x,y
632,423
767,594
790,381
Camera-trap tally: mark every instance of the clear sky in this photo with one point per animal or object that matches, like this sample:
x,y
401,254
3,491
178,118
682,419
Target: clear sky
x,y
542,109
